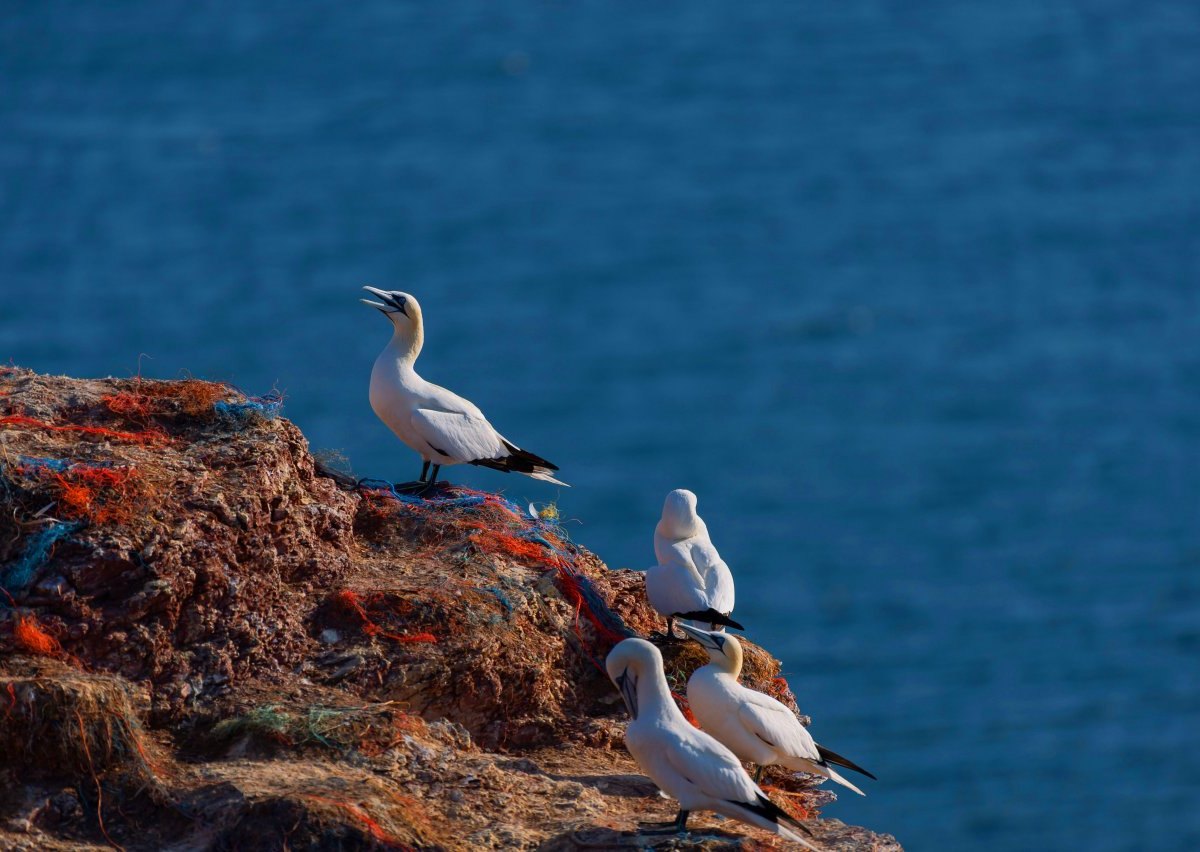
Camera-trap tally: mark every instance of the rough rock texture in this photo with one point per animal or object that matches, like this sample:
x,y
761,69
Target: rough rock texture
x,y
208,640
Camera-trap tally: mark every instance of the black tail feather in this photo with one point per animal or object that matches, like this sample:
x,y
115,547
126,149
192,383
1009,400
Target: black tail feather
x,y
836,759
770,811
518,461
710,616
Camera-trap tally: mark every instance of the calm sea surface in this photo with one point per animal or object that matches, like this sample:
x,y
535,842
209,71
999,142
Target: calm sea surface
x,y
909,294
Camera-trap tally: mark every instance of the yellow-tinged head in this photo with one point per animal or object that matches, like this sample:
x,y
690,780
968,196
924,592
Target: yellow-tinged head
x,y
724,650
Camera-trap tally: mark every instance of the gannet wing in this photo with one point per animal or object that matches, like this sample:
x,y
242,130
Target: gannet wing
x,y
704,554
715,770
458,435
680,554
776,725
709,562
465,437
718,580
719,775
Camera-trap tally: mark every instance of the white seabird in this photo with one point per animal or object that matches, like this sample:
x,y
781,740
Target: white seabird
x,y
442,427
691,581
754,726
686,763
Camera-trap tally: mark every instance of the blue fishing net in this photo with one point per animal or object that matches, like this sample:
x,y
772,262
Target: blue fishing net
x,y
20,574
250,410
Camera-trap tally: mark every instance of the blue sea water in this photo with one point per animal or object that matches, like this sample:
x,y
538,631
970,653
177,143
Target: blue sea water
x,y
909,294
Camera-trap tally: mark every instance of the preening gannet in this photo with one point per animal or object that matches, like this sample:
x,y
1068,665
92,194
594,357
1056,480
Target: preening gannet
x,y
691,581
686,763
441,426
754,726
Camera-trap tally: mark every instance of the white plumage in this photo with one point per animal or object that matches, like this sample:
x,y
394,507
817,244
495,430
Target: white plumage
x,y
754,726
441,426
686,763
691,581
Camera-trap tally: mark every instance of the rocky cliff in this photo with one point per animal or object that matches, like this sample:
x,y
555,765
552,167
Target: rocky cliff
x,y
210,640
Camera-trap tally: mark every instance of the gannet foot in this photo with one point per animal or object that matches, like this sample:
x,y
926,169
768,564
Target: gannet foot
x,y
414,487
661,638
675,826
432,487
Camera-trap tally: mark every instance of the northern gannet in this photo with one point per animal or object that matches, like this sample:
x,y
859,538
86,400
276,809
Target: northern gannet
x,y
691,581
686,763
754,726
442,427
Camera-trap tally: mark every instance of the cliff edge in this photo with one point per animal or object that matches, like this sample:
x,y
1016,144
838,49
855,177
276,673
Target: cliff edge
x,y
211,641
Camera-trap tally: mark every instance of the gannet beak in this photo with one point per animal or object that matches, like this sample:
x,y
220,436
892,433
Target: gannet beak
x,y
627,683
391,304
711,641
375,305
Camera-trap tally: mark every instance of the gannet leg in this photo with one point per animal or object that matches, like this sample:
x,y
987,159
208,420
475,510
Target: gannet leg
x,y
668,637
429,485
677,826
758,773
424,471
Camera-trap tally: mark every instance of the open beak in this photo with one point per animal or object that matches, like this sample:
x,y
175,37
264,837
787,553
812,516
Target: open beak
x,y
711,641
389,306
627,683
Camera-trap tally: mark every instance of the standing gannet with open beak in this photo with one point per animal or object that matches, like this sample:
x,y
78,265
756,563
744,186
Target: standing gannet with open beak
x,y
691,581
754,726
442,427
686,763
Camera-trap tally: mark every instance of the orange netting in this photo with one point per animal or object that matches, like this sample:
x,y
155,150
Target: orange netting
x,y
29,636
371,825
352,603
778,689
99,494
152,436
685,708
190,396
799,805
496,526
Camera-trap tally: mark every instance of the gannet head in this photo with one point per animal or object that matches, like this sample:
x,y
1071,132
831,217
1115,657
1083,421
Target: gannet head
x,y
724,651
628,663
400,308
679,518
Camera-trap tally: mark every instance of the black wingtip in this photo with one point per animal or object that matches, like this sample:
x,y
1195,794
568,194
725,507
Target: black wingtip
x,y
771,812
836,759
711,616
517,461
526,457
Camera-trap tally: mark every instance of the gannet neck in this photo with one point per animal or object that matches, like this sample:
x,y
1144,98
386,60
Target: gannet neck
x,y
636,667
730,662
408,338
724,658
654,698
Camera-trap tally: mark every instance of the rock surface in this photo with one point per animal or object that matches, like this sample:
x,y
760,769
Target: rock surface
x,y
208,640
